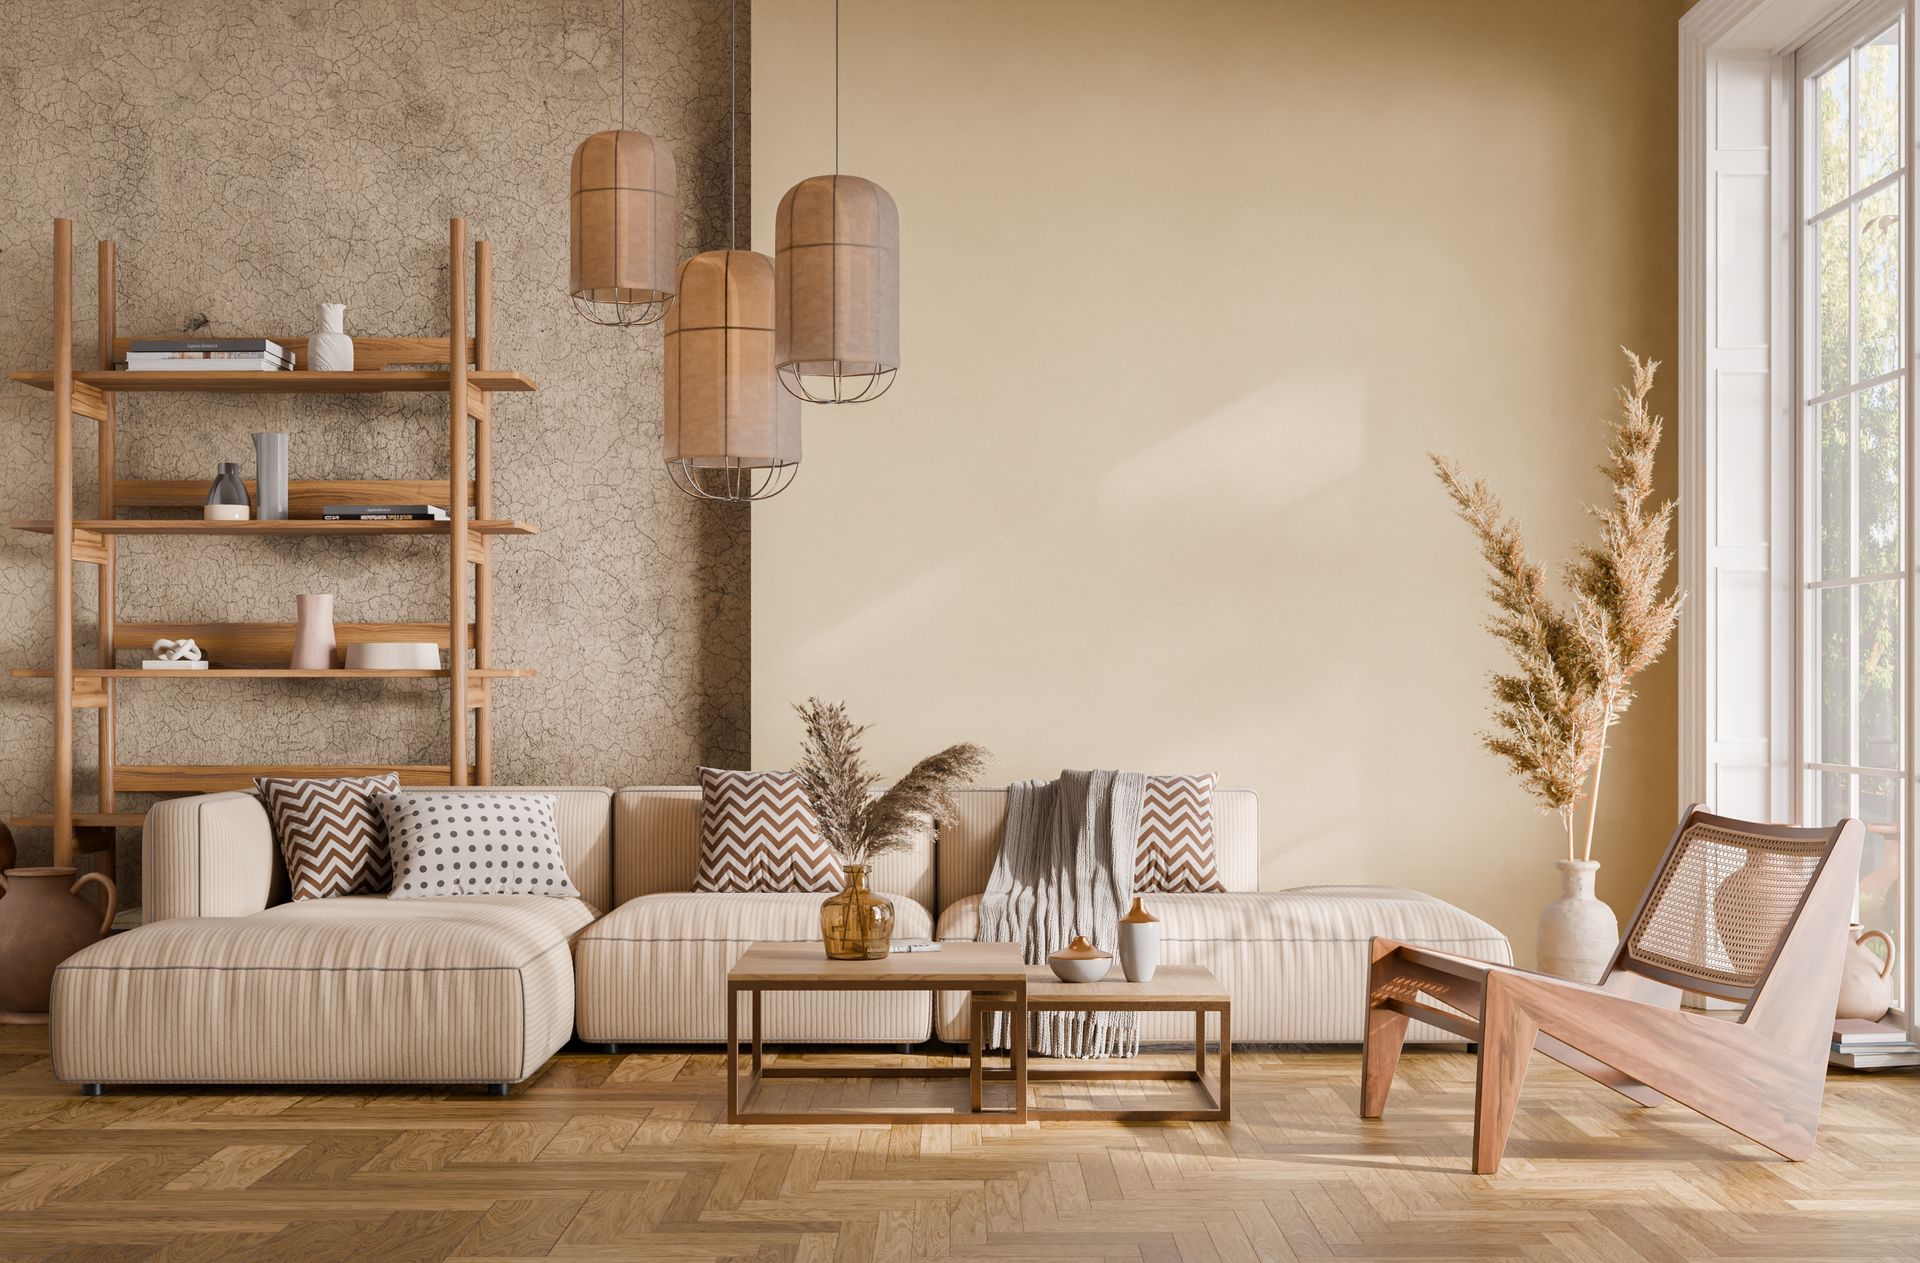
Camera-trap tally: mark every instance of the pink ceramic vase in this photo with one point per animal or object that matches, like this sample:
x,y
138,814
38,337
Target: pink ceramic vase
x,y
313,633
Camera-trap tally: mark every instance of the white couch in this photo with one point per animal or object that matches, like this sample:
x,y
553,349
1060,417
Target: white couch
x,y
229,983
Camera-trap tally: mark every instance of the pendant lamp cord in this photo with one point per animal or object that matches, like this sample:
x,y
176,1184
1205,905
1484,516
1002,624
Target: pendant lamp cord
x,y
623,65
733,129
836,87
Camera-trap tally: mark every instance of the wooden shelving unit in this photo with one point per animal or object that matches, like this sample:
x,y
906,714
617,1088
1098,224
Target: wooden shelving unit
x,y
457,365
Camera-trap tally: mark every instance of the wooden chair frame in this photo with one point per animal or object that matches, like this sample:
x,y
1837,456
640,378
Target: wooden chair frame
x,y
1761,1074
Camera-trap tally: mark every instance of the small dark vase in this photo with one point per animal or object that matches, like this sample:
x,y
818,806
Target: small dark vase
x,y
227,497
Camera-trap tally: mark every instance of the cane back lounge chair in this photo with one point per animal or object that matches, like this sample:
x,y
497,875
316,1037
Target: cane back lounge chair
x,y
1752,913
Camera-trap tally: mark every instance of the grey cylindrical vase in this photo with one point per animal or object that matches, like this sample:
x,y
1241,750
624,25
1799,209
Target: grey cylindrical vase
x,y
270,476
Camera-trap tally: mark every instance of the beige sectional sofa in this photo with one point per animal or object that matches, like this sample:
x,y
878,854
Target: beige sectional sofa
x,y
229,983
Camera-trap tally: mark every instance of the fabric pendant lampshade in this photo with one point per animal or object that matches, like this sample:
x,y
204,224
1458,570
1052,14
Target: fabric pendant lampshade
x,y
731,432
837,273
625,211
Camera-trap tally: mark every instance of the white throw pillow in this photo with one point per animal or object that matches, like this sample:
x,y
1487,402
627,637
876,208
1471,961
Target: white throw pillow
x,y
474,844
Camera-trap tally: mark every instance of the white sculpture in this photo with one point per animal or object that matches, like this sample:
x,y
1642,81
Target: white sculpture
x,y
178,655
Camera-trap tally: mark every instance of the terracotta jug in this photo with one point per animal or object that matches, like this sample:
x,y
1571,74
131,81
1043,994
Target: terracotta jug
x,y
43,920
1866,981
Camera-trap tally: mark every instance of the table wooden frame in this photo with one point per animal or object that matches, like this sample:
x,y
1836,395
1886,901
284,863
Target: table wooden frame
x,y
1175,988
976,968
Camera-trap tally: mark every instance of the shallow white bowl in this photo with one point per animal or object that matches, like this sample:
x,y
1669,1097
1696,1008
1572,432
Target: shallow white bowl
x,y
394,655
1069,969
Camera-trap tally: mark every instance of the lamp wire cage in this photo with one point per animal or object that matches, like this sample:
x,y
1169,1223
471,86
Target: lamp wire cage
x,y
734,481
622,313
837,381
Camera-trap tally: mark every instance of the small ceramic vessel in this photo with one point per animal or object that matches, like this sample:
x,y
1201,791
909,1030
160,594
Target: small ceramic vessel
x,y
1080,961
1139,943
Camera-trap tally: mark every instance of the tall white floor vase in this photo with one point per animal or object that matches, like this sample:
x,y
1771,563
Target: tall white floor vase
x,y
1577,932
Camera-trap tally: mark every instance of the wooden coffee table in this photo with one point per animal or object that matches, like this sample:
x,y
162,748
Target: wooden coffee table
x,y
994,969
1175,988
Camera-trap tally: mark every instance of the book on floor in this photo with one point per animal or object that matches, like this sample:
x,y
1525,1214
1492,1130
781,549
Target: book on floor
x,y
1854,1032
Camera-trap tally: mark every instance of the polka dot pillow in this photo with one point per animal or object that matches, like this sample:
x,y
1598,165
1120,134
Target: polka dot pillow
x,y
474,844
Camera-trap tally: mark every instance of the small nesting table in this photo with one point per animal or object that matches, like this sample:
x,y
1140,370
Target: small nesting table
x,y
994,969
1175,988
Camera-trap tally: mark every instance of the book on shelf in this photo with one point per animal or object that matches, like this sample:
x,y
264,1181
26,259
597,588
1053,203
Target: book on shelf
x,y
1859,1033
244,364
222,355
171,664
382,513
249,346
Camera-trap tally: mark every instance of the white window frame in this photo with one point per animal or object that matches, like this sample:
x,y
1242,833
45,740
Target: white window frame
x,y
1741,690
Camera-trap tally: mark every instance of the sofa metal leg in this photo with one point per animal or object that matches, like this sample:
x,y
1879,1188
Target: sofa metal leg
x,y
1473,1050
92,1089
499,1089
612,1050
906,1050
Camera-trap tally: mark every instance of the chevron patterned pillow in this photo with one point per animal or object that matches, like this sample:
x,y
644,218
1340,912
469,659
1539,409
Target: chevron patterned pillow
x,y
330,833
758,833
1176,853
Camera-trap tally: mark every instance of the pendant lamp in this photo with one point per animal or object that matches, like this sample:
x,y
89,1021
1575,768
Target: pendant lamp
x,y
624,209
837,270
731,432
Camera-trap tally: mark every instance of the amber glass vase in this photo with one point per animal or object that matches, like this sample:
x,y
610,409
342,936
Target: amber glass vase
x,y
856,924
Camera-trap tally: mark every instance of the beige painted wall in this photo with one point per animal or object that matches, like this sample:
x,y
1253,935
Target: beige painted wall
x,y
252,161
1189,292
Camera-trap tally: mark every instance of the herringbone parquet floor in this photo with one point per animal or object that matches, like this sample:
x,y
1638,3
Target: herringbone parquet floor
x,y
606,1157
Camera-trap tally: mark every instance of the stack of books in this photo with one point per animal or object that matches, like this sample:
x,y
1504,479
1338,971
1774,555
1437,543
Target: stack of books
x,y
1864,1045
207,355
382,513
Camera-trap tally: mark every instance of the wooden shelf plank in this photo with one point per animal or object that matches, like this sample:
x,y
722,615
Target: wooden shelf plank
x,y
306,497
272,673
187,778
85,820
377,381
292,526
268,644
368,353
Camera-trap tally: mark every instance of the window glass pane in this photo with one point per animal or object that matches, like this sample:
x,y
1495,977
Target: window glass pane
x,y
1836,711
1836,480
1878,292
1832,298
1878,66
1830,145
1836,798
1877,661
1880,857
1879,478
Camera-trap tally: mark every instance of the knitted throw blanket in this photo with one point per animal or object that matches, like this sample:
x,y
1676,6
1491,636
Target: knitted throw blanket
x,y
1066,868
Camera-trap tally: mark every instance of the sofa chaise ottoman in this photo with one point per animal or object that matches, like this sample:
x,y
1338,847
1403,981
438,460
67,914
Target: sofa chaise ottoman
x,y
654,970
1294,961
228,983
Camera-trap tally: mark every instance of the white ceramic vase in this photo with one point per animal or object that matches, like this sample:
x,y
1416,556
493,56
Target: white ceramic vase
x,y
1577,932
1139,943
329,349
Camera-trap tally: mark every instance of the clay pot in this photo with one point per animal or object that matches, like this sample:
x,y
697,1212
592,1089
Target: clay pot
x,y
43,920
1866,981
1577,932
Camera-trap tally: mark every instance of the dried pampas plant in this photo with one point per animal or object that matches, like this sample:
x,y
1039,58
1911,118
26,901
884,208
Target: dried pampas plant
x,y
857,825
1573,669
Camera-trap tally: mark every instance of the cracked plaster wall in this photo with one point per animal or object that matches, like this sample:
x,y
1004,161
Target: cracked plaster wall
x,y
252,161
